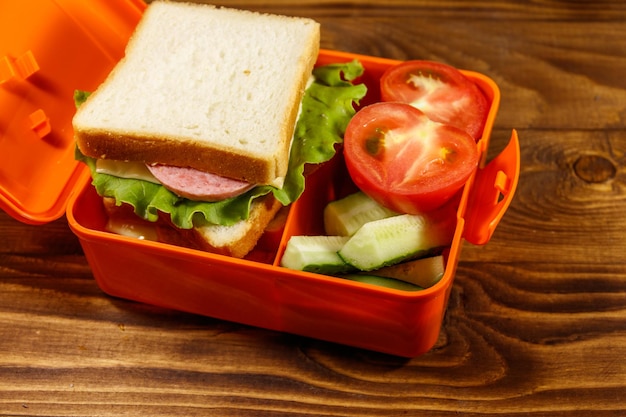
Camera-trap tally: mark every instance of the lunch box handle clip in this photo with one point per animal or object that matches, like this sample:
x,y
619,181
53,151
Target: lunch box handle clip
x,y
493,190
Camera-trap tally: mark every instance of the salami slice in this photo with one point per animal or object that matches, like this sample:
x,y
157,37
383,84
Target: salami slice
x,y
198,185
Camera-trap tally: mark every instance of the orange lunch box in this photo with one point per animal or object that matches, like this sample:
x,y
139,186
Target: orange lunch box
x,y
66,45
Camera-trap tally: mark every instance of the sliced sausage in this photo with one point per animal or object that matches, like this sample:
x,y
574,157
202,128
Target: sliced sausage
x,y
198,185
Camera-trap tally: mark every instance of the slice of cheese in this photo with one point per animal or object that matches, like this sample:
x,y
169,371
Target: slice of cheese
x,y
125,169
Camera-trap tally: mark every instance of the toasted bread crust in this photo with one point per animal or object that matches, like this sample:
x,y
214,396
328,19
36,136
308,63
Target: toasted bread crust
x,y
162,150
262,212
236,241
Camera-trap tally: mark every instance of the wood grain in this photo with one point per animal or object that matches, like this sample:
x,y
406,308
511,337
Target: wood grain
x,y
536,321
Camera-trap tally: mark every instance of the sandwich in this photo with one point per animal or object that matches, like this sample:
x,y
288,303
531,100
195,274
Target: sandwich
x,y
205,126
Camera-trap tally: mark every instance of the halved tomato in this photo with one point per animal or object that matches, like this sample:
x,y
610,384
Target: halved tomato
x,y
405,161
442,92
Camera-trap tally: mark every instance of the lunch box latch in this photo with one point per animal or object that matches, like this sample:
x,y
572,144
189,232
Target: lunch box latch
x,y
492,192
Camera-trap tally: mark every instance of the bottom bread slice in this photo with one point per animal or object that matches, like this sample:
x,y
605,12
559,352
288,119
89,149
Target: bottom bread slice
x,y
236,240
239,239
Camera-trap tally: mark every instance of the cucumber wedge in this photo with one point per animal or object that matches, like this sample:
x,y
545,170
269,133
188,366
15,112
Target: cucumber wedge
x,y
382,282
392,240
424,272
345,216
315,254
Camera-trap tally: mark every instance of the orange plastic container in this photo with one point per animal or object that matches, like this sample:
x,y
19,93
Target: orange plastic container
x,y
254,291
49,48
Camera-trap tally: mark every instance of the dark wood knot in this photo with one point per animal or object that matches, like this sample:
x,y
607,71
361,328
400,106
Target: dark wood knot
x,y
594,168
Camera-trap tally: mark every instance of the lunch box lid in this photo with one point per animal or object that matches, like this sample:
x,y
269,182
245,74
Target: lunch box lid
x,y
49,49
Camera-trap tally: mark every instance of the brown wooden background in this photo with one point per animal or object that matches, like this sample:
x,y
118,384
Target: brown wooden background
x,y
537,318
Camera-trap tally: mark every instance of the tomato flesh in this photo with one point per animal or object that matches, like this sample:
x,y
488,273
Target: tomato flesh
x,y
442,92
405,161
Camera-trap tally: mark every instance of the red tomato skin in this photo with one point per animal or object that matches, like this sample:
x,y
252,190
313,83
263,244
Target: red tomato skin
x,y
417,203
378,177
470,116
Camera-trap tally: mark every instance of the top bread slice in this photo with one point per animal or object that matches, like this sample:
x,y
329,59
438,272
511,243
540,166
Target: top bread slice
x,y
215,89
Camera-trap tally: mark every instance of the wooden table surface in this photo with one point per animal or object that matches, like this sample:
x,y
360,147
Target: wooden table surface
x,y
537,318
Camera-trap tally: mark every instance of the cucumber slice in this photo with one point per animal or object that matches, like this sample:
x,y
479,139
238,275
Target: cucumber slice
x,y
345,216
392,240
315,254
382,282
424,272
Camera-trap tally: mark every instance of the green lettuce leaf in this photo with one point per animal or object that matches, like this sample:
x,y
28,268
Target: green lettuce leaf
x,y
327,107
